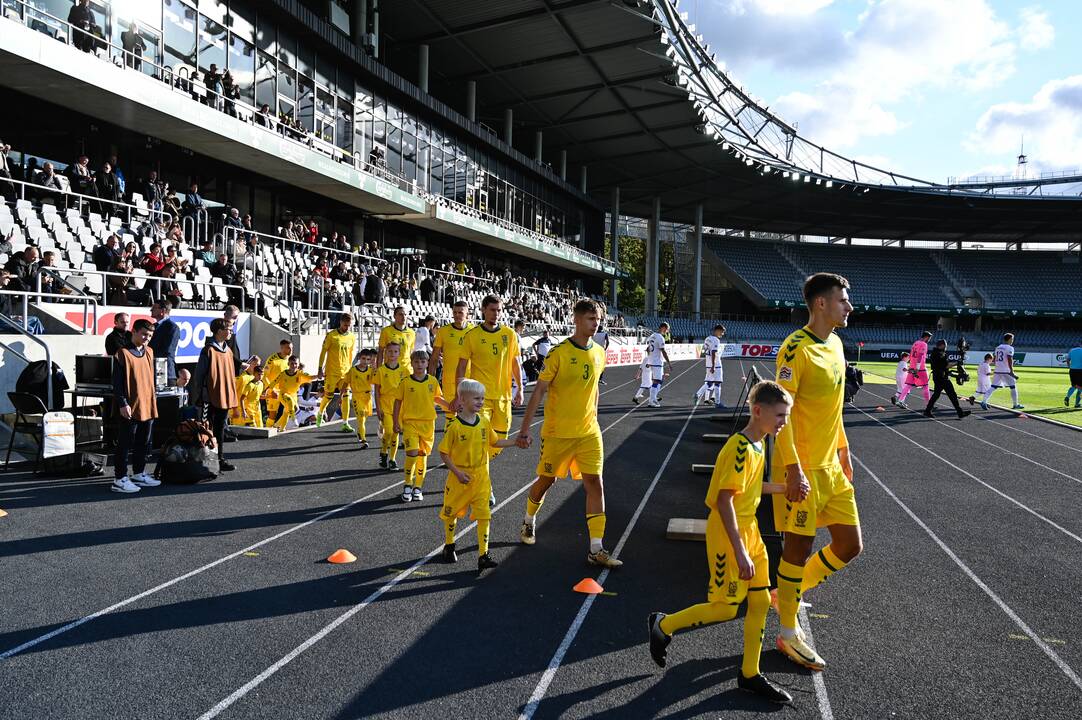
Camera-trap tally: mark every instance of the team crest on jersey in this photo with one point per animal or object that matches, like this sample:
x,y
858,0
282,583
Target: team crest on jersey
x,y
801,518
548,467
504,339
786,373
574,360
732,587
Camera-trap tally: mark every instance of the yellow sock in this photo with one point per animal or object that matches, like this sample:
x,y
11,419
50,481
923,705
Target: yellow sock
x,y
410,466
532,507
482,537
345,406
754,625
596,525
362,432
420,466
449,531
790,578
697,616
324,402
820,566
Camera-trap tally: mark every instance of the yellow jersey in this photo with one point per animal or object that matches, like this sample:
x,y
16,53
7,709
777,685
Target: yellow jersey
x,y
572,372
448,337
337,353
252,392
242,381
813,371
418,398
404,337
360,381
491,354
387,379
289,384
276,365
470,446
739,467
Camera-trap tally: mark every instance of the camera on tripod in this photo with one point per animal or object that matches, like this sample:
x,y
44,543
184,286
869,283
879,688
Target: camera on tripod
x,y
961,377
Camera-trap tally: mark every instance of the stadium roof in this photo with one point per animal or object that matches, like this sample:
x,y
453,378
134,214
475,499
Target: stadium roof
x,y
627,88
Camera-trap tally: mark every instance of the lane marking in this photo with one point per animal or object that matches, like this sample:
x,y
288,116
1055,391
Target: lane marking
x,y
1029,633
557,659
192,573
259,679
825,710
968,474
986,442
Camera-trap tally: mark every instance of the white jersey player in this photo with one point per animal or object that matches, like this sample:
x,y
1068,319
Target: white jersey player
x,y
656,363
985,372
710,390
1004,376
901,372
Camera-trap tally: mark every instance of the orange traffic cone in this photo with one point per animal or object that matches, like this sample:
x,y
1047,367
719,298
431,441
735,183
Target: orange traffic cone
x,y
1022,416
588,586
341,555
880,408
3,513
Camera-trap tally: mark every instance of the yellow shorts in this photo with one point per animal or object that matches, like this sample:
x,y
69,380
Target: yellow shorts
x,y
498,414
577,455
725,585
832,501
457,496
450,391
418,435
331,381
362,403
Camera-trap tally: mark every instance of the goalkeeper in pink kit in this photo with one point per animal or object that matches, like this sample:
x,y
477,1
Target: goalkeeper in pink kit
x,y
918,373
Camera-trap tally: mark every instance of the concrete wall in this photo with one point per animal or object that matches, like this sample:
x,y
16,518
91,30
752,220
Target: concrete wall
x,y
62,348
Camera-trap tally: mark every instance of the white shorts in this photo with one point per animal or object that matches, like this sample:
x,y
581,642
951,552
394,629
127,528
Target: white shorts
x,y
714,375
900,382
1003,380
652,374
983,387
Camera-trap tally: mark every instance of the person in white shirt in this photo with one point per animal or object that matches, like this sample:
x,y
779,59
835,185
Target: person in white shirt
x,y
1004,376
542,347
985,372
901,372
656,364
710,390
423,336
601,337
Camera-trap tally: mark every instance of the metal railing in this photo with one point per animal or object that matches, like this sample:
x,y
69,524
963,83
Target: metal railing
x,y
85,202
66,274
86,301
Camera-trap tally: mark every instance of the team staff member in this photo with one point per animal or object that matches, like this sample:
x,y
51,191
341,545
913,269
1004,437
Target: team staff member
x,y
335,359
397,332
214,385
941,378
133,386
276,364
814,451
570,436
447,346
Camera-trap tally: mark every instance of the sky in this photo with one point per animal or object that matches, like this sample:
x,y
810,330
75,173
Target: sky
x,y
934,89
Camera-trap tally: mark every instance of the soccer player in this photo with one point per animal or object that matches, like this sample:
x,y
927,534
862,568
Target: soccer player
x,y
334,362
466,449
655,354
918,373
901,372
414,417
814,451
397,332
984,379
941,365
736,557
570,436
491,353
359,380
276,365
236,416
1004,376
1074,365
645,381
248,398
447,347
288,385
385,384
710,390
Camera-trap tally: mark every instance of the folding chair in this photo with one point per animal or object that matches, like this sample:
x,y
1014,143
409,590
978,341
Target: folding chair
x,y
26,405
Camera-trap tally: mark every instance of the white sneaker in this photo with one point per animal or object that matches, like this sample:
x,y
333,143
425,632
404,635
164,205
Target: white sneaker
x,y
124,485
407,494
653,404
418,496
144,479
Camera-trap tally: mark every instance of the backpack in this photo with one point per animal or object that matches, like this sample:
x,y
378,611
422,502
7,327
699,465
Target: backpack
x,y
190,457
854,381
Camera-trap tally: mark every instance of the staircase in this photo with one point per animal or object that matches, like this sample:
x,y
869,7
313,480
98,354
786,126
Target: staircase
x,y
783,250
960,287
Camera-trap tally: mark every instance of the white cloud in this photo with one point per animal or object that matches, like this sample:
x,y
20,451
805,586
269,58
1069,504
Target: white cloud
x,y
897,51
1050,123
1035,32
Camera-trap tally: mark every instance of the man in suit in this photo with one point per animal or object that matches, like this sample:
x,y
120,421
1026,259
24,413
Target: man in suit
x,y
166,337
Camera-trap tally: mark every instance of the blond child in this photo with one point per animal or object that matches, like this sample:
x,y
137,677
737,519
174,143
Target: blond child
x,y
242,380
466,449
415,420
735,554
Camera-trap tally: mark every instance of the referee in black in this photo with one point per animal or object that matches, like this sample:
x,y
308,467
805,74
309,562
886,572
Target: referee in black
x,y
941,379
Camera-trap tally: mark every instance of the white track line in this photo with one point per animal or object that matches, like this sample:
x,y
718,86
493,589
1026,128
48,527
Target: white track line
x,y
557,659
1060,663
986,442
192,573
968,474
825,711
258,680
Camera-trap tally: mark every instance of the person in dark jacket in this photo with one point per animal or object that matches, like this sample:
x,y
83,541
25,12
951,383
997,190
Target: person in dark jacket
x,y
108,187
214,385
137,405
941,379
166,337
119,337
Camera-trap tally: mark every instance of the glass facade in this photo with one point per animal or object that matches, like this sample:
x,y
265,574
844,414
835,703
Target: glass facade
x,y
272,66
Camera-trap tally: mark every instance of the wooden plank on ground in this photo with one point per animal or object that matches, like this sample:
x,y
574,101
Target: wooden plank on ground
x,y
686,529
702,469
716,437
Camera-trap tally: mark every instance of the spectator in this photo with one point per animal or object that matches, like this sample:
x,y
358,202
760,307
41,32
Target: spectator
x,y
153,262
153,192
428,289
22,267
108,187
134,46
120,282
213,80
313,232
193,202
213,386
172,259
132,253
375,290
5,243
291,232
230,93
166,337
233,219
106,255
136,402
7,188
167,288
206,253
225,270
264,117
82,180
170,201
81,20
50,181
50,280
120,336
121,182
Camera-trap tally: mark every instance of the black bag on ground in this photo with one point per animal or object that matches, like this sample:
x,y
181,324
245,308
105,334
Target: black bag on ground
x,y
190,457
854,381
